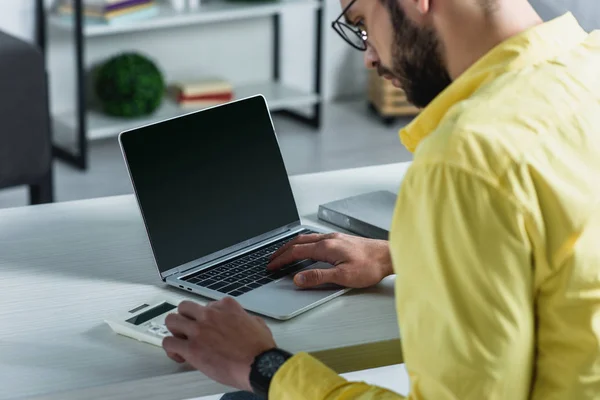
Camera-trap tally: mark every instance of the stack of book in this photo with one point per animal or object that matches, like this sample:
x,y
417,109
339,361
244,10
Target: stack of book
x,y
110,11
203,93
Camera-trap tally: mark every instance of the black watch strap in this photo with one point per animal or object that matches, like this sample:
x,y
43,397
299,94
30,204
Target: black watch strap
x,y
263,370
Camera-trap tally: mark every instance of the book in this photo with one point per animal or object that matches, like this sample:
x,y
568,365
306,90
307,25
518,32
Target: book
x,y
102,7
144,13
95,3
118,12
369,215
207,97
206,86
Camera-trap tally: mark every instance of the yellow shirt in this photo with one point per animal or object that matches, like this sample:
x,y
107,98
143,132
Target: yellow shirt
x,y
496,235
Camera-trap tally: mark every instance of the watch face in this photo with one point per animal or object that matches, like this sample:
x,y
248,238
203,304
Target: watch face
x,y
269,364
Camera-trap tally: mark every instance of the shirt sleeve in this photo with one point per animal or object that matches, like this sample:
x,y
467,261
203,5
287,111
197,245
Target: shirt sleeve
x,y
464,286
302,377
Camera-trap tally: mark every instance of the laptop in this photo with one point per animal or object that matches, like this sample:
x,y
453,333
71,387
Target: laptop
x,y
216,202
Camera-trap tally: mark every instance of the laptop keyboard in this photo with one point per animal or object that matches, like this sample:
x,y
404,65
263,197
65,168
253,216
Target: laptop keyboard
x,y
242,275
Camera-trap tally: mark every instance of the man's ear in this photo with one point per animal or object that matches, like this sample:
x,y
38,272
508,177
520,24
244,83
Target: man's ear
x,y
420,7
423,6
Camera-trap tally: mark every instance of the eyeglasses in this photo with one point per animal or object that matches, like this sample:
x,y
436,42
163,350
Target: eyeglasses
x,y
354,36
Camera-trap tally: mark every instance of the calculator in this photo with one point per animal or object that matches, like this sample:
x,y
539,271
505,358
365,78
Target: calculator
x,y
145,322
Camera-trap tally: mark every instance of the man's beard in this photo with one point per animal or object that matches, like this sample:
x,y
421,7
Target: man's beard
x,y
417,59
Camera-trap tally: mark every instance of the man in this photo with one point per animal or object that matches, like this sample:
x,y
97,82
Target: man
x,y
495,240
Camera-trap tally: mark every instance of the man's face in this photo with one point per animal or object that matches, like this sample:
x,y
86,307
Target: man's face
x,y
409,55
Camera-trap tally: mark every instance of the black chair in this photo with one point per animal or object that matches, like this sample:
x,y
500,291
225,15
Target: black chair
x,y
25,132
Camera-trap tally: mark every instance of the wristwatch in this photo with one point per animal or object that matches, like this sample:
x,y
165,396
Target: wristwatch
x,y
263,370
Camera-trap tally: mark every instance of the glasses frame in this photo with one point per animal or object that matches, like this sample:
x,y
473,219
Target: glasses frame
x,y
338,25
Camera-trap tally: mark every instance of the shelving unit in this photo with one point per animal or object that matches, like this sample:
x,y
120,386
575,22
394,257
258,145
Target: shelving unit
x,y
101,126
215,11
91,124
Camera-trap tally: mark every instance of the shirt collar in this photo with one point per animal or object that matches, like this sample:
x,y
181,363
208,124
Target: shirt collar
x,y
540,43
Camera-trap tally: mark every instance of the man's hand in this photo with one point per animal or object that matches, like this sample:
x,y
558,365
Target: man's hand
x,y
358,262
221,340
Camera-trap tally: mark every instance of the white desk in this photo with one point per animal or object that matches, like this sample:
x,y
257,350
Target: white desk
x,y
65,266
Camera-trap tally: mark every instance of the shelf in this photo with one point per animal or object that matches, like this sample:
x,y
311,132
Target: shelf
x,y
212,11
102,126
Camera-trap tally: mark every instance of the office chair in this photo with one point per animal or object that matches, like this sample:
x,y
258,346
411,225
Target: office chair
x,y
25,130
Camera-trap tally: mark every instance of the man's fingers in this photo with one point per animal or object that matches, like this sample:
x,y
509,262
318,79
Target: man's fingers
x,y
315,277
261,321
227,304
302,239
190,310
175,357
179,325
175,346
324,250
294,253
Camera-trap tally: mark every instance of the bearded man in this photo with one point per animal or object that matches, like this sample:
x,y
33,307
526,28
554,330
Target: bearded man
x,y
496,235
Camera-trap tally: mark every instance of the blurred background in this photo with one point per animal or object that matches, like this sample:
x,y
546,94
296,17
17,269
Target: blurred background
x,y
114,64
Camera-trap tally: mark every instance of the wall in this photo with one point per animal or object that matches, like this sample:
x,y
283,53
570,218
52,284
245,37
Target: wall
x,y
16,17
586,11
343,73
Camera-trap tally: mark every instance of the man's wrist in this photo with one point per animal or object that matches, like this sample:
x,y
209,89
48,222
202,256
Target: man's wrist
x,y
387,267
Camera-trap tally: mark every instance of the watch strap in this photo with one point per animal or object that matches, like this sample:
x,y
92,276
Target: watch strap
x,y
259,382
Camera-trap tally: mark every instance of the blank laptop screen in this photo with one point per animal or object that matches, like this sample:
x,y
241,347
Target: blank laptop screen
x,y
209,180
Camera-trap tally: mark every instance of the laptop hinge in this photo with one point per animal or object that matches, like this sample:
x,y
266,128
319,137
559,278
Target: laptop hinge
x,y
175,272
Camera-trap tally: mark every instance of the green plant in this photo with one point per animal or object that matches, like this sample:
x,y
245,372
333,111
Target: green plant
x,y
129,85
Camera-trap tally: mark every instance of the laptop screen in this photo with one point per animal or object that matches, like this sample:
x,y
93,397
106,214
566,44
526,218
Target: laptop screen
x,y
209,180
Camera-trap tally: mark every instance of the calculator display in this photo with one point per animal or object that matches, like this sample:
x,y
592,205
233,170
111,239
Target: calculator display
x,y
152,313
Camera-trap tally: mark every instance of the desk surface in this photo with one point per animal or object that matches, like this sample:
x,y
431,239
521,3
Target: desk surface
x,y
66,266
